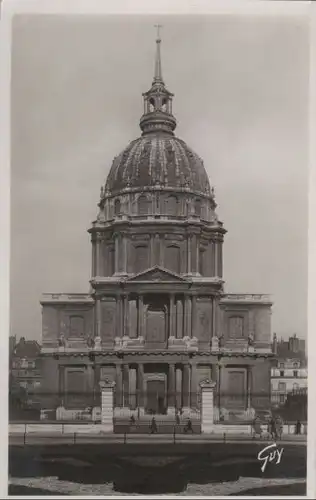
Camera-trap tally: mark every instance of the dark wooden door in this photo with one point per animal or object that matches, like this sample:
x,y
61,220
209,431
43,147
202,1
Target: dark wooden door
x,y
156,397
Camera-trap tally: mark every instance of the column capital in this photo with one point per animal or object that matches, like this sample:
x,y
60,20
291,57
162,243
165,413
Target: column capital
x,y
106,384
207,384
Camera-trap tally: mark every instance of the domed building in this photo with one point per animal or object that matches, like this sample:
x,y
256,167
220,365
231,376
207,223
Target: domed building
x,y
156,322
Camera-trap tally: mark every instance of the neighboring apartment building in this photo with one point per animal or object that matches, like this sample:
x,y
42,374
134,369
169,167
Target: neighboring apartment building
x,y
289,373
26,366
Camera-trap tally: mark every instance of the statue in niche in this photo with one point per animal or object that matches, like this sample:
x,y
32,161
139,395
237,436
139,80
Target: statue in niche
x,y
62,341
215,343
250,339
90,342
97,342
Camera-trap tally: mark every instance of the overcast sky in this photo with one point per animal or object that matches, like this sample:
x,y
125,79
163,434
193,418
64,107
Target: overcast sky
x,y
241,101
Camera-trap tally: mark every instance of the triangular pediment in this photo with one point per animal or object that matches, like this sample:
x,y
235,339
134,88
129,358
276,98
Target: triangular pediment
x,y
157,273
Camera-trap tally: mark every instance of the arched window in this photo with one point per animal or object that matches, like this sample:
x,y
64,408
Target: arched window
x,y
117,207
141,258
143,205
164,105
76,326
151,105
172,258
172,205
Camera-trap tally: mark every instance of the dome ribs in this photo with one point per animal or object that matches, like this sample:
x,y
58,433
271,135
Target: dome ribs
x,y
158,158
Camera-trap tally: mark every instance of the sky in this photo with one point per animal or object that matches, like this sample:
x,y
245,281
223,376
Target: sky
x,y
241,102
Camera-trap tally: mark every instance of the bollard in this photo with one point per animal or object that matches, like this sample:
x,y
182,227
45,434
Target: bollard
x,y
174,434
224,437
125,437
74,438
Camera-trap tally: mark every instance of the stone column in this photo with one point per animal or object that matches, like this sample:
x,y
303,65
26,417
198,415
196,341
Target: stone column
x,y
207,407
126,385
161,250
140,321
171,389
126,315
119,322
194,316
186,386
250,410
98,254
124,244
140,385
194,388
187,315
189,254
98,317
220,259
96,407
171,315
179,387
193,253
180,319
107,409
197,263
93,270
157,249
119,386
61,386
216,258
214,313
116,270
152,256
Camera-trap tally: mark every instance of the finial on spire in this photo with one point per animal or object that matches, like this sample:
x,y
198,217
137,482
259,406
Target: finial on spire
x,y
158,74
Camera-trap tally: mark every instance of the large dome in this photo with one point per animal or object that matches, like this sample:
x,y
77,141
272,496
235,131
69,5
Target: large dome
x,y
158,158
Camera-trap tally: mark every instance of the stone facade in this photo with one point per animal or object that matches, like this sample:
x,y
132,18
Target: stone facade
x,y
157,321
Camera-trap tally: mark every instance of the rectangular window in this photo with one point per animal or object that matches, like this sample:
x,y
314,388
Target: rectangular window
x,y
282,398
295,373
282,386
281,373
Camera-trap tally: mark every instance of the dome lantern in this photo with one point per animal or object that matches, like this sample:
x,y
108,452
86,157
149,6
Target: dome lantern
x,y
158,102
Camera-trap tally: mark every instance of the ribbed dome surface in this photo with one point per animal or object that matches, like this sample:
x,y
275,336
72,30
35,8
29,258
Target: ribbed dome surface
x,y
158,159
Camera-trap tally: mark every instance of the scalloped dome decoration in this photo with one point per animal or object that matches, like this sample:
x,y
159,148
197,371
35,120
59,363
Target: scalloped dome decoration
x,y
158,159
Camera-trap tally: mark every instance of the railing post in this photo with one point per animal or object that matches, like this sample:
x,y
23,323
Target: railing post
x,y
174,434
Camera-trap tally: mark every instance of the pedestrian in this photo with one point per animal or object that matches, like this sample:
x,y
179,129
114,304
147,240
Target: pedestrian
x,y
188,427
132,420
177,419
298,427
256,427
153,426
278,428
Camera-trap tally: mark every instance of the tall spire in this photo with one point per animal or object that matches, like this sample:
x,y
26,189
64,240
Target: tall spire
x,y
158,74
158,115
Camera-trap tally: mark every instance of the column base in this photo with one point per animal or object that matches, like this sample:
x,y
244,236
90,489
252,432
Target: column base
x,y
171,411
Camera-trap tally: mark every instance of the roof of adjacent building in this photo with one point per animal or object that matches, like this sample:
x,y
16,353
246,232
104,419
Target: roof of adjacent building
x,y
27,349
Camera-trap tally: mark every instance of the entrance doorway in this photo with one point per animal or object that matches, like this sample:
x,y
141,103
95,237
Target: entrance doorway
x,y
156,397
